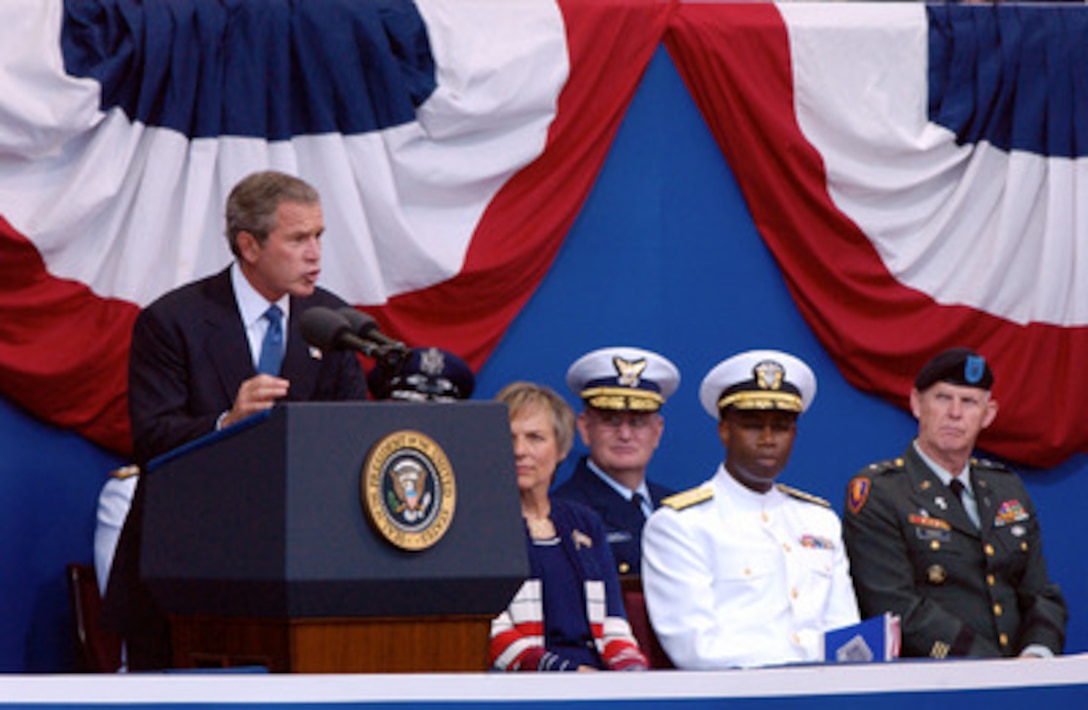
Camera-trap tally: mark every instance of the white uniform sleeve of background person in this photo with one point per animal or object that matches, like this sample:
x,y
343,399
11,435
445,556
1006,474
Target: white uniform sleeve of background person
x,y
114,502
727,587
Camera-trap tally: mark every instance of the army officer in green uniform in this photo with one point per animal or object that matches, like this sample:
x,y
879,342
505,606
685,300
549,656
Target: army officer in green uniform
x,y
948,542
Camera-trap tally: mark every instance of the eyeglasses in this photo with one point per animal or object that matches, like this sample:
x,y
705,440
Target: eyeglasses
x,y
615,420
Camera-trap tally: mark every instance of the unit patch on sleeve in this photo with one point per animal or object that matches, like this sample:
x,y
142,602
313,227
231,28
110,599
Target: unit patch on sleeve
x,y
857,493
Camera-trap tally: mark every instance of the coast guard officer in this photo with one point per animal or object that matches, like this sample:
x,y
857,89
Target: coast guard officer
x,y
964,570
741,571
623,389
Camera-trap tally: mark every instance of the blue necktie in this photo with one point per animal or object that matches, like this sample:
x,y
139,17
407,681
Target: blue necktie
x,y
272,345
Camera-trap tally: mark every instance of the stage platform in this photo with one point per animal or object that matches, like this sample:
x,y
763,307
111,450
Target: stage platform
x,y
1055,683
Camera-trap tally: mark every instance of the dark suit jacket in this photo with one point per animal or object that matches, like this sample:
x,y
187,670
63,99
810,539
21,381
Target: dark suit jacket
x,y
189,355
622,521
959,590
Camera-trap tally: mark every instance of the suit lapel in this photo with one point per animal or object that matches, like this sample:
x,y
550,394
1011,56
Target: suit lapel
x,y
984,496
298,362
226,347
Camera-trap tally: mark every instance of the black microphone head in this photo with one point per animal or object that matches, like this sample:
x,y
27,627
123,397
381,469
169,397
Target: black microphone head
x,y
323,328
367,328
359,322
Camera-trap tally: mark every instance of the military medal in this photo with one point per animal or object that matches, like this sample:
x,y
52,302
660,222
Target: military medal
x,y
1011,511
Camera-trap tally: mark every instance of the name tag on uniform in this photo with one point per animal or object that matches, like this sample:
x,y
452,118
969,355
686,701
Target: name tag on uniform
x,y
927,528
615,536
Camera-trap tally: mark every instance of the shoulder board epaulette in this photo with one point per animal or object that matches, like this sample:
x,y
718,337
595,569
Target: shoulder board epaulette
x,y
801,495
688,498
991,465
897,465
125,472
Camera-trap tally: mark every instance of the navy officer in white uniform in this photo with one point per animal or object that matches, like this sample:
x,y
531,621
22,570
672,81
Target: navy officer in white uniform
x,y
742,571
623,390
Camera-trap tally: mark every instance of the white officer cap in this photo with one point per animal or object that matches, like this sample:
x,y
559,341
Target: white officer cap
x,y
623,378
758,379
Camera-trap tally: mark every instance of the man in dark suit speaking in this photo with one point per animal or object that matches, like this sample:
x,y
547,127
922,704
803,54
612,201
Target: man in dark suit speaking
x,y
213,352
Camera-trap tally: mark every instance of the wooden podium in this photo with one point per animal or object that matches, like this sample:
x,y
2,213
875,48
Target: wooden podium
x,y
269,544
345,645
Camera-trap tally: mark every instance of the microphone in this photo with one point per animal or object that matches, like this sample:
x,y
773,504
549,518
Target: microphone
x,y
367,328
327,329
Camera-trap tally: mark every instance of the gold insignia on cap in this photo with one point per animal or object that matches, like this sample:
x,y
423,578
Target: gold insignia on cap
x,y
769,375
623,379
626,393
621,398
936,574
754,399
629,371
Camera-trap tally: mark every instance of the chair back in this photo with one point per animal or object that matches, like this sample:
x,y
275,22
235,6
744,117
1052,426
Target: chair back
x,y
638,617
98,651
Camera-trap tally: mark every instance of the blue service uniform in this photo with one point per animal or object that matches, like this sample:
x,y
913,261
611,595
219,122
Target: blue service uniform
x,y
623,521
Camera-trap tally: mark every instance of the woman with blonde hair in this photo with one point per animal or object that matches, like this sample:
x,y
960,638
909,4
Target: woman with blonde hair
x,y
569,614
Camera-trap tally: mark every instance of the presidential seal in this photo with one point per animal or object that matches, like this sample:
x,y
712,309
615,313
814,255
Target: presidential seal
x,y
408,490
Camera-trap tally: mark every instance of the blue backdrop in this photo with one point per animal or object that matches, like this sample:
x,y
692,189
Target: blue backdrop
x,y
664,206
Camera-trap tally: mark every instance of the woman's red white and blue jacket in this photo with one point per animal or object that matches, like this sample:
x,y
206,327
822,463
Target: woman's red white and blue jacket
x,y
517,634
